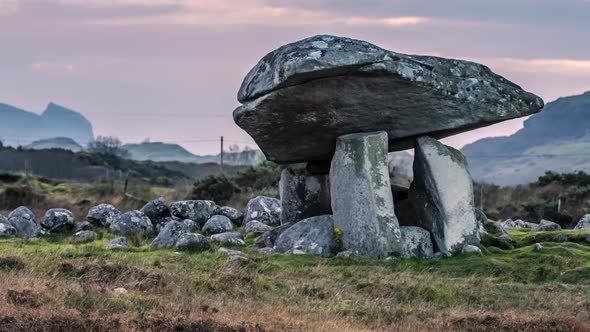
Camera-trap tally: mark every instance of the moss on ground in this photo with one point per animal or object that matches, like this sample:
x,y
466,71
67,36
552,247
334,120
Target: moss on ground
x,y
281,292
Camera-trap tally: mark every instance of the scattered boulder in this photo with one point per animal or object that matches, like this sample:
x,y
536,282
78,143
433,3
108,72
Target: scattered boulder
x,y
218,224
156,210
538,247
303,195
23,220
256,227
169,236
103,215
314,236
416,243
442,192
504,241
561,237
163,222
4,220
470,249
192,242
230,252
514,223
118,243
347,253
361,196
266,251
584,222
7,230
270,237
496,229
234,215
190,225
83,226
84,237
264,209
546,225
58,220
531,225
197,210
229,238
481,219
322,83
132,222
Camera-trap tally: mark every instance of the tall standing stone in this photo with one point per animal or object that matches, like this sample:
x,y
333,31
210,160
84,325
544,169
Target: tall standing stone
x,y
362,202
303,195
442,193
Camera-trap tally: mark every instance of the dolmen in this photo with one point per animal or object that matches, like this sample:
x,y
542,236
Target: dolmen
x,y
330,109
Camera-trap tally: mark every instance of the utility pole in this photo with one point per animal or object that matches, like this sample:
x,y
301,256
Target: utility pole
x,y
221,156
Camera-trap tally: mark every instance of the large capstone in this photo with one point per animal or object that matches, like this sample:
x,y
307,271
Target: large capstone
x,y
299,98
314,236
442,193
361,196
303,195
198,210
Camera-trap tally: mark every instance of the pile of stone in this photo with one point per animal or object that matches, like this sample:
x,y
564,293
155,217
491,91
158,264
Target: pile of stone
x,y
331,108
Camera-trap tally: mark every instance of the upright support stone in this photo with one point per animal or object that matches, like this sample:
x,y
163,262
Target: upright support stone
x,y
362,202
442,193
303,195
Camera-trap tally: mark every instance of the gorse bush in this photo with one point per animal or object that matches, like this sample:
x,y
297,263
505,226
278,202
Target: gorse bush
x,y
578,179
260,179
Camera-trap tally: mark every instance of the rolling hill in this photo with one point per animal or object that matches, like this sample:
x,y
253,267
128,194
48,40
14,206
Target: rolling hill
x,y
557,139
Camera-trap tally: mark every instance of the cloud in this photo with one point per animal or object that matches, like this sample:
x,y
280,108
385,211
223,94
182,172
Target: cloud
x,y
556,66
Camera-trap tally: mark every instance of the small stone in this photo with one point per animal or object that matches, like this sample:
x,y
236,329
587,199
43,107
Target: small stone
x,y
229,238
237,260
120,291
6,230
84,237
235,216
218,224
168,237
197,210
546,225
266,251
132,222
23,220
190,225
264,209
156,210
314,236
538,247
584,222
192,242
230,252
256,227
416,243
270,237
347,253
471,249
58,220
83,226
120,243
103,215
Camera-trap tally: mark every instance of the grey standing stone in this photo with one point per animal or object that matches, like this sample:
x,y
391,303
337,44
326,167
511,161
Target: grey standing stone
x,y
584,222
218,224
303,195
329,86
314,236
132,222
229,238
120,243
197,210
58,220
416,243
103,215
234,215
23,220
442,193
156,210
267,210
168,236
192,242
362,201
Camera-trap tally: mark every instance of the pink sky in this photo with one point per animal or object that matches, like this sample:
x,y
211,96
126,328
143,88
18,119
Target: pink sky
x,y
169,70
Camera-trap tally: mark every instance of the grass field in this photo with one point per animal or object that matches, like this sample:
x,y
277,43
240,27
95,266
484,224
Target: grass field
x,y
53,285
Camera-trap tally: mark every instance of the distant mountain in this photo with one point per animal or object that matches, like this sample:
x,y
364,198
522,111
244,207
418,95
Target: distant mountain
x,y
64,143
174,152
557,139
20,127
